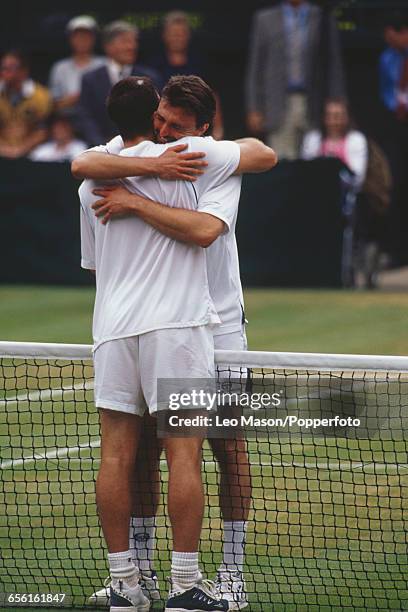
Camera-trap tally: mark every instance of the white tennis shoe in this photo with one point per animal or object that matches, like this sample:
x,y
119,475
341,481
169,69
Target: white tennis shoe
x,y
231,586
148,582
124,598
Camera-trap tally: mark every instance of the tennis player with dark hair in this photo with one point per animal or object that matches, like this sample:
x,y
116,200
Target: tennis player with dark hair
x,y
187,108
140,336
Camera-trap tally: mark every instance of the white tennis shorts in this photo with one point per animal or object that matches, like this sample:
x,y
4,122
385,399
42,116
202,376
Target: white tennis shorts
x,y
234,341
127,369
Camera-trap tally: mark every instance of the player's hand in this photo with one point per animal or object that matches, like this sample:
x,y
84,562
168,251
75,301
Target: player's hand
x,y
115,202
173,165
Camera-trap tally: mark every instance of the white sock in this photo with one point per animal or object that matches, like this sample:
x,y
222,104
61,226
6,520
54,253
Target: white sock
x,y
121,566
184,570
142,541
234,546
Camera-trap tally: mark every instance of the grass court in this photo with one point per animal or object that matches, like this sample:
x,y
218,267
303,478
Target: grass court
x,y
329,516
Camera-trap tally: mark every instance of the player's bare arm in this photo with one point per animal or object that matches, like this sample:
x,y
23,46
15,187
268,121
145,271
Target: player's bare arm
x,y
170,165
188,226
173,164
185,225
255,156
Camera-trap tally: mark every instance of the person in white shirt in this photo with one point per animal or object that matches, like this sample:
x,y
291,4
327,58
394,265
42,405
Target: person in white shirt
x,y
225,289
152,306
63,145
338,139
66,74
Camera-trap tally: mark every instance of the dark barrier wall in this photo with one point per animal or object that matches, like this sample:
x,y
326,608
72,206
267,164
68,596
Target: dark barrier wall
x,y
289,226
39,224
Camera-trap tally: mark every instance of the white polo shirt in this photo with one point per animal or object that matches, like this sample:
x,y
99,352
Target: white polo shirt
x,y
224,278
145,280
222,256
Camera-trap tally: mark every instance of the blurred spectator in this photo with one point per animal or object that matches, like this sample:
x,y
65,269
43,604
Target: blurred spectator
x,y
65,76
394,95
63,145
294,64
366,193
24,107
120,40
177,58
394,67
336,138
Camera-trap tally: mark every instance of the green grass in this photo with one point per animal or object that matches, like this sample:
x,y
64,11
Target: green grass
x,y
46,314
328,321
318,539
279,320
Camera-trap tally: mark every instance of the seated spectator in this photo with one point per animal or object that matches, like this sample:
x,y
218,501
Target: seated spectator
x,y
366,196
63,145
65,76
120,40
336,138
24,107
177,58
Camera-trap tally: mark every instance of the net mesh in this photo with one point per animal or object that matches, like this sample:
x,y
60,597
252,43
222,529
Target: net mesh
x,y
329,514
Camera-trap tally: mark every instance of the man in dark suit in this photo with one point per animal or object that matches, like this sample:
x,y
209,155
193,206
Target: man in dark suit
x,y
294,63
120,40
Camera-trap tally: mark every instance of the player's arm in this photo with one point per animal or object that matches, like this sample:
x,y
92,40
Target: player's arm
x,y
170,165
190,226
255,156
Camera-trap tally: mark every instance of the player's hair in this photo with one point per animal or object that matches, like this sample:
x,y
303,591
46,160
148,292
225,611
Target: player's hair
x,y
131,104
19,55
193,95
115,28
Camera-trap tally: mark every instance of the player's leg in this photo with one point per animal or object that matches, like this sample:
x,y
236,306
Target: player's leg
x,y
186,495
118,396
234,495
235,500
178,354
145,500
145,493
119,440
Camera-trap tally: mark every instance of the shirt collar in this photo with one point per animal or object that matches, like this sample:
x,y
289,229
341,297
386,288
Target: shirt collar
x,y
115,69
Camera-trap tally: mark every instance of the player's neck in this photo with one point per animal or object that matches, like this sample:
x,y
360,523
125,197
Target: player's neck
x,y
132,142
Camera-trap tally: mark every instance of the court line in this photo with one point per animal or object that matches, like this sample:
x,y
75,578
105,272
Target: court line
x,y
45,394
64,453
57,453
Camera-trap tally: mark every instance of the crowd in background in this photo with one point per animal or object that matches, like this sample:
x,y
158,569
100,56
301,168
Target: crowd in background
x,y
72,106
295,97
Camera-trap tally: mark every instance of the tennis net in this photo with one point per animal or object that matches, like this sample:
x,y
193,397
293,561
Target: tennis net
x,y
329,514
